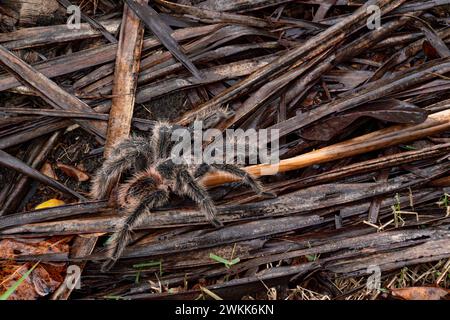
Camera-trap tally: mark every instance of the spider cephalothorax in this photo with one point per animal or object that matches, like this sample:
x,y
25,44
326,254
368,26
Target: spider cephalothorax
x,y
154,175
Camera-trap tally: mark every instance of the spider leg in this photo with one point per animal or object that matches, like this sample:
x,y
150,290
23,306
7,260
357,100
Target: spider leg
x,y
186,185
211,118
145,200
123,156
235,171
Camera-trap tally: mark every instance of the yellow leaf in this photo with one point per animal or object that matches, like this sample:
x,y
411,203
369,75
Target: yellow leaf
x,y
50,203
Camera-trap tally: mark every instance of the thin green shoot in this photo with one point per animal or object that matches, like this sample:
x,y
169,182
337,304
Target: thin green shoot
x,y
227,263
14,287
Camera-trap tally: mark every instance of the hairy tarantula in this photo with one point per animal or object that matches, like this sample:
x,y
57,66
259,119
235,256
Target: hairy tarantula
x,y
154,175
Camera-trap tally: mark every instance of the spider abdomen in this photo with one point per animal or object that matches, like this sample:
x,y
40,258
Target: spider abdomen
x,y
139,186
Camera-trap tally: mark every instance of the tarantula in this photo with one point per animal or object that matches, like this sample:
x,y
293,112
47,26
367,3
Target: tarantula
x,y
154,175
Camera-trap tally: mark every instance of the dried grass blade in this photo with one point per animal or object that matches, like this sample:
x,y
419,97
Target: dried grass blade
x,y
49,90
13,163
163,32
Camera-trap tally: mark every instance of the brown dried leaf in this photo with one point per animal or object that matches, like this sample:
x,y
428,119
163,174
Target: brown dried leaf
x,y
429,50
73,172
10,275
420,293
435,41
48,171
10,248
44,279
